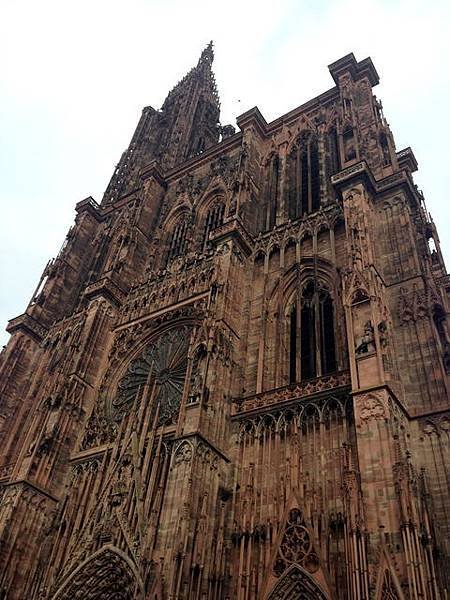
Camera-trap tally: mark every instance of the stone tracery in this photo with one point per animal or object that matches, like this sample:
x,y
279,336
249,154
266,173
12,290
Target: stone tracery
x,y
163,364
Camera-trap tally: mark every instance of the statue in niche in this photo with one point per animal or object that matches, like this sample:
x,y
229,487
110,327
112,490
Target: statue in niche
x,y
365,343
198,376
47,440
382,330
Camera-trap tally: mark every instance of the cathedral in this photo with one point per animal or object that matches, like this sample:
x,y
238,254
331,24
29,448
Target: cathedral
x,y
233,381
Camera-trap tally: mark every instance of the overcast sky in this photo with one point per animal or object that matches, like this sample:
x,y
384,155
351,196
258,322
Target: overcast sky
x,y
76,75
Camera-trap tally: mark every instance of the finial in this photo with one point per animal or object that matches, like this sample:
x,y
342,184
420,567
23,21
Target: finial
x,y
207,55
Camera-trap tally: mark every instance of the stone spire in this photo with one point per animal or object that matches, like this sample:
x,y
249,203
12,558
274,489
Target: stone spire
x,y
186,124
192,110
200,76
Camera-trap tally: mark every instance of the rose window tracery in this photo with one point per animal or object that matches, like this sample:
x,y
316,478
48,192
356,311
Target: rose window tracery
x,y
296,545
163,364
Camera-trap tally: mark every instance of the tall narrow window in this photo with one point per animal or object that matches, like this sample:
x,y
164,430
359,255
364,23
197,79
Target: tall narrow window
x,y
308,332
327,350
304,180
273,191
317,337
293,345
315,181
177,245
294,181
214,219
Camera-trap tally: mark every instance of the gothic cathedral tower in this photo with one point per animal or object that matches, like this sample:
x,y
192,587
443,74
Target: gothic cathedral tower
x,y
232,383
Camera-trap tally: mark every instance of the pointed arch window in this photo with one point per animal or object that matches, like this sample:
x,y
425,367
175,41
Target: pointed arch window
x,y
272,192
312,336
304,194
293,344
214,219
177,246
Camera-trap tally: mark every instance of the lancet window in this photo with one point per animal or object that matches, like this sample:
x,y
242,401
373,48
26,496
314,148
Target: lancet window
x,y
177,246
304,180
312,350
273,192
214,219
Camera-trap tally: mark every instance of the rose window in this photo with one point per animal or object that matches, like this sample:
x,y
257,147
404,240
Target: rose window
x,y
296,545
163,364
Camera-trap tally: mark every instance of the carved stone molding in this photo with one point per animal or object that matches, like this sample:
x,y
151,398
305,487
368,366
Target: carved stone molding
x,y
163,364
368,407
289,393
195,449
29,325
107,288
296,546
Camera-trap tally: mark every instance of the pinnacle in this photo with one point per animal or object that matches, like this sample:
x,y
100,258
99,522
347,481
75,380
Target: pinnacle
x,y
204,71
207,56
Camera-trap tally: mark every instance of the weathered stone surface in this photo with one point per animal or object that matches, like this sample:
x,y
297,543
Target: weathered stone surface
x,y
233,381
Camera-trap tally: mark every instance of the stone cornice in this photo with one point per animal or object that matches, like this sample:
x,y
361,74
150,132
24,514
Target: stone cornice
x,y
27,484
357,70
406,159
202,438
357,173
280,397
155,171
108,289
90,206
28,325
233,229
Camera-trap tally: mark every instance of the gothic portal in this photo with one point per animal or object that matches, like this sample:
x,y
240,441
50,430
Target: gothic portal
x,y
233,380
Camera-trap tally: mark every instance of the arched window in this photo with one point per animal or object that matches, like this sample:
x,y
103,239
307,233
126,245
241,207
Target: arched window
x,y
272,192
177,245
308,332
293,344
304,178
316,335
214,219
327,348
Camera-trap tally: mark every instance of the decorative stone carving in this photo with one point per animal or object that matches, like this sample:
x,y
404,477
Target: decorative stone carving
x,y
285,394
388,589
370,407
183,453
295,583
163,364
365,343
296,546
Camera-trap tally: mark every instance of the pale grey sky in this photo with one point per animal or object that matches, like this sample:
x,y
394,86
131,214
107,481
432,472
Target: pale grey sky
x,y
75,76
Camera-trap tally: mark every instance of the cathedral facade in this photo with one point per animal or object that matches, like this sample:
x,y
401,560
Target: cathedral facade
x,y
232,383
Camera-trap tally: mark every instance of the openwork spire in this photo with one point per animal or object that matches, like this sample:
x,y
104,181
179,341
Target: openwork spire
x,y
202,75
207,56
